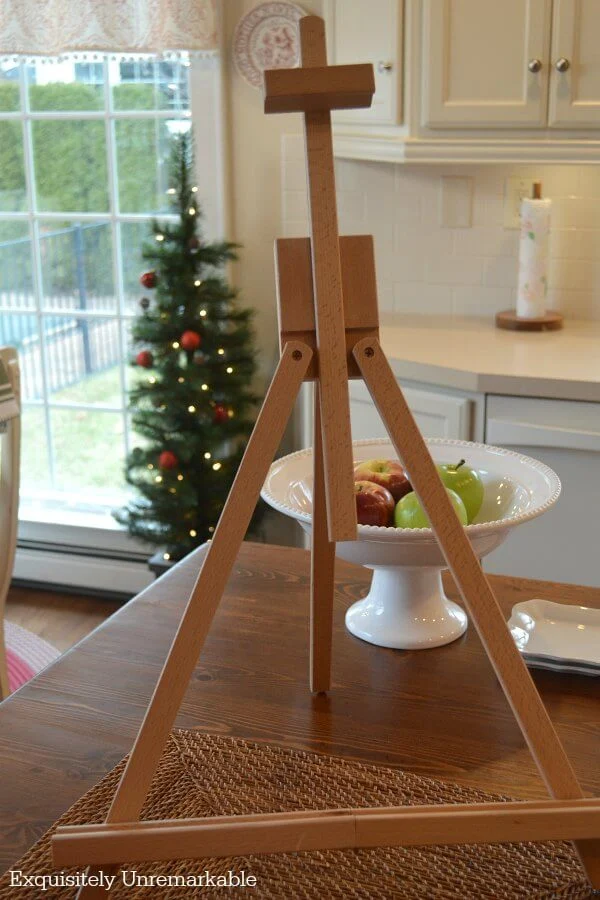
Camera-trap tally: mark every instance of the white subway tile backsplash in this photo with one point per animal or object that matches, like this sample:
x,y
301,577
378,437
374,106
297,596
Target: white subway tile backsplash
x,y
351,205
453,270
422,298
456,201
478,301
427,268
500,271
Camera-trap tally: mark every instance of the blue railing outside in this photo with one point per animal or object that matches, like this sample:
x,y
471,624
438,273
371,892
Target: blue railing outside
x,y
77,275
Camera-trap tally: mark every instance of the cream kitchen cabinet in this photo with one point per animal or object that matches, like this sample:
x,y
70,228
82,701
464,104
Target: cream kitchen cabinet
x,y
476,80
519,63
485,64
439,413
374,38
575,76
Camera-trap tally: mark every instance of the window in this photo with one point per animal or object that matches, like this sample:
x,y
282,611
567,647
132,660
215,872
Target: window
x,y
84,149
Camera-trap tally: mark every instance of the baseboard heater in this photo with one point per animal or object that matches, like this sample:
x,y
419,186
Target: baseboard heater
x,y
84,570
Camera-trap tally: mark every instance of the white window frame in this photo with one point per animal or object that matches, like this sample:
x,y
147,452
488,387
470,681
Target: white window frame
x,y
99,533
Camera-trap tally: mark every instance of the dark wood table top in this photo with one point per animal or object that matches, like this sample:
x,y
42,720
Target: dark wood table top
x,y
434,712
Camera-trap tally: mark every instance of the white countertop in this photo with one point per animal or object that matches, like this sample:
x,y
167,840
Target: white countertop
x,y
473,355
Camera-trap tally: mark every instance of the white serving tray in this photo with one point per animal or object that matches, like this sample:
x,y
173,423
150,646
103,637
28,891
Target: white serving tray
x,y
557,634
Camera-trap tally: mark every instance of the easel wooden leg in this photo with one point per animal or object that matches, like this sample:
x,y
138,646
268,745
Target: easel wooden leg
x,y
511,671
204,600
322,567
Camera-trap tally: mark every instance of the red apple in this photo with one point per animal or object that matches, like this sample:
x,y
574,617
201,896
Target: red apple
x,y
389,473
374,503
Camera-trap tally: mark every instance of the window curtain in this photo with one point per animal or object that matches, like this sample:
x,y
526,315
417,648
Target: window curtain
x,y
56,27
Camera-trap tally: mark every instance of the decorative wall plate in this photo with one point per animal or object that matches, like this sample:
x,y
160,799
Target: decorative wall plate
x,y
267,38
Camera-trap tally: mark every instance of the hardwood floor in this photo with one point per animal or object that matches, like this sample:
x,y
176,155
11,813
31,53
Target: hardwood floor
x,y
61,619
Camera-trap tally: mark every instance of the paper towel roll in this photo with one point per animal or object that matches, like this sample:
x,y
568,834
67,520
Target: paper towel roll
x,y
533,258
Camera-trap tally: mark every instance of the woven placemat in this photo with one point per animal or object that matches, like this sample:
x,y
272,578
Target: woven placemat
x,y
201,775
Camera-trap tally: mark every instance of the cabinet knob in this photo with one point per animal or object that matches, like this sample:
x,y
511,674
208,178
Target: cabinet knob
x,y
385,66
534,65
562,64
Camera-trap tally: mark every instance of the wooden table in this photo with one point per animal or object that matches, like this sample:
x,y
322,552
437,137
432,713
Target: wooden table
x,y
435,712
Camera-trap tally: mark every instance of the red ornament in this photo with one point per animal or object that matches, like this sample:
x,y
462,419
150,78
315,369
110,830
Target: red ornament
x,y
149,280
220,413
144,359
190,340
167,460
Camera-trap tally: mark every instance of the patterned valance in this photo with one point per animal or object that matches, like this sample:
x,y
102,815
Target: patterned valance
x,y
56,27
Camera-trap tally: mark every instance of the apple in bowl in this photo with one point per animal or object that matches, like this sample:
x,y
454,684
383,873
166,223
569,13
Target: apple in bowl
x,y
374,503
389,473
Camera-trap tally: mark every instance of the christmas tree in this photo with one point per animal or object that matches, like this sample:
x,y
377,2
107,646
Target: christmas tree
x,y
192,401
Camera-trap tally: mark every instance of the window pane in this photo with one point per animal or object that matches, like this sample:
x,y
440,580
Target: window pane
x,y
65,85
16,273
143,151
70,166
78,352
12,166
35,469
10,99
21,331
133,236
141,83
77,266
89,453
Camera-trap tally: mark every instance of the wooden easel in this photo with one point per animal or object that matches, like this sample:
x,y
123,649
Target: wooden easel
x,y
329,333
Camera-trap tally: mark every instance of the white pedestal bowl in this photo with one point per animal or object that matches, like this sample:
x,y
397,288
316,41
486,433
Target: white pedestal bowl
x,y
406,607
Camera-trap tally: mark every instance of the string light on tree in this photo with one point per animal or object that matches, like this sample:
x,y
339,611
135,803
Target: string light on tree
x,y
187,320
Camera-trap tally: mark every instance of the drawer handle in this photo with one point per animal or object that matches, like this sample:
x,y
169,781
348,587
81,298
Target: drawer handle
x,y
534,65
562,64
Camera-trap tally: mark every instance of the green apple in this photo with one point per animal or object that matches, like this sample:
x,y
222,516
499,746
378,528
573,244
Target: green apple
x,y
465,482
410,514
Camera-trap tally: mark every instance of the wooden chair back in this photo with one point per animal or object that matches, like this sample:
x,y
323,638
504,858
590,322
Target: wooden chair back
x,y
10,453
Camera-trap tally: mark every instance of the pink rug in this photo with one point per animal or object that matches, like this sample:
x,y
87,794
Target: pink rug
x,y
26,654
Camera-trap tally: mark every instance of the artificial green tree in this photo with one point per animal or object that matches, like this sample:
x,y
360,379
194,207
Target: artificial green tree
x,y
192,402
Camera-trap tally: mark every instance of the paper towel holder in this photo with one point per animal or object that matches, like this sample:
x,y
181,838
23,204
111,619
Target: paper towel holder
x,y
508,318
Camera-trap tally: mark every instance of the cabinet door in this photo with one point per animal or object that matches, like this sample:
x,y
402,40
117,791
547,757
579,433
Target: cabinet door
x,y
562,544
575,91
476,58
436,414
374,35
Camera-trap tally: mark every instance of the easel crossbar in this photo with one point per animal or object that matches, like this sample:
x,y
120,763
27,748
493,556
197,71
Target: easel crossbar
x,y
331,829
